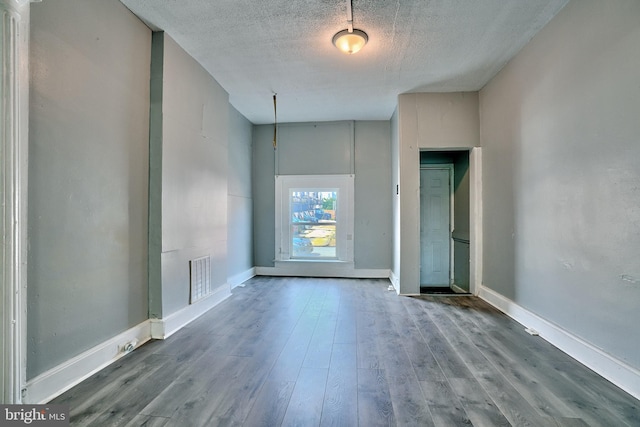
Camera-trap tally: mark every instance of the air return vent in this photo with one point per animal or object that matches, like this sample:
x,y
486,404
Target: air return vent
x,y
200,278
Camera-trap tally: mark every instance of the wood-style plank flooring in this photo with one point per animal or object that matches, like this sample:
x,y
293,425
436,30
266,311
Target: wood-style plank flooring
x,y
348,352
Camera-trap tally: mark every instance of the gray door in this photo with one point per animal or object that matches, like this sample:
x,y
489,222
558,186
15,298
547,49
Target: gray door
x,y
435,216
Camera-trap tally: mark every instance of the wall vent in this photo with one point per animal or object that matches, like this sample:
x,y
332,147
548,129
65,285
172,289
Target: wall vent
x,y
200,278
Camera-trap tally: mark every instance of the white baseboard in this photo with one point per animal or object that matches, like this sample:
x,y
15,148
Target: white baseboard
x,y
320,269
238,279
164,328
395,281
56,381
618,372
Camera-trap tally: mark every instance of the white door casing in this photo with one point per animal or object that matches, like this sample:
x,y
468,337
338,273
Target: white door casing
x,y
14,112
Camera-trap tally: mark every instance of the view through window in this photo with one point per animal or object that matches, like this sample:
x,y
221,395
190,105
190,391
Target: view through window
x,y
313,223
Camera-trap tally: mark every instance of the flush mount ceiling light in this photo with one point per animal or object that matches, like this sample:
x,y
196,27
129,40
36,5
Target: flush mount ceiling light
x,y
350,40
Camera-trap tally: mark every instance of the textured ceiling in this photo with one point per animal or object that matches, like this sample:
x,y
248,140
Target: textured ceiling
x,y
257,48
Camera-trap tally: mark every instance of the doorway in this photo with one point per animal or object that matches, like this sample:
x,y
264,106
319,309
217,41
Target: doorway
x,y
444,222
435,226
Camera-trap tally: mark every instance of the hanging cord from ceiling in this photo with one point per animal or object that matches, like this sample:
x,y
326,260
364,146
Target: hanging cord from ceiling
x,y
275,121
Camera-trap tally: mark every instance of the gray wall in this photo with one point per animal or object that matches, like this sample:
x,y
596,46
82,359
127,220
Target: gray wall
x,y
372,209
240,198
461,221
87,259
314,148
325,148
395,197
195,123
560,137
264,196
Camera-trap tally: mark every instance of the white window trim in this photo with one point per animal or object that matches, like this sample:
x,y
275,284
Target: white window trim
x,y
345,220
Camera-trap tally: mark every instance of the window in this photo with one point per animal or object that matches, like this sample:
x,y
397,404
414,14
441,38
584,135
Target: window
x,y
313,222
314,217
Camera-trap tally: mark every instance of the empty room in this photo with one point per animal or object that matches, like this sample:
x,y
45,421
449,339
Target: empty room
x,y
336,212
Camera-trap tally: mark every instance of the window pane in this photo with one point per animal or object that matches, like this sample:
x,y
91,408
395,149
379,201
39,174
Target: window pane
x,y
313,223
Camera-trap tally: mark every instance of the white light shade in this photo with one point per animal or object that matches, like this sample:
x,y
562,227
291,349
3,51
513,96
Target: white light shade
x,y
350,42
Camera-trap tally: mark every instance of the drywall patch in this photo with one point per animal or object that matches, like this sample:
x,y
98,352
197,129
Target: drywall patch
x,y
630,279
568,264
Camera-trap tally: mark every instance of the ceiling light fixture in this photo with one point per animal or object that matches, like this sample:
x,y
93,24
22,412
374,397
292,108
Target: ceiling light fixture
x,y
350,40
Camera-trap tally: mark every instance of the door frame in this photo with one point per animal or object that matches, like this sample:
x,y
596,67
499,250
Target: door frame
x,y
449,167
14,141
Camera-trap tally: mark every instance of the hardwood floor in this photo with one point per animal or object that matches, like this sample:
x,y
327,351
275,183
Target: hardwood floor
x,y
348,352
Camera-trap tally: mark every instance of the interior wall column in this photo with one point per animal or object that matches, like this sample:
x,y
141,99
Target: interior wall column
x,y
14,126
